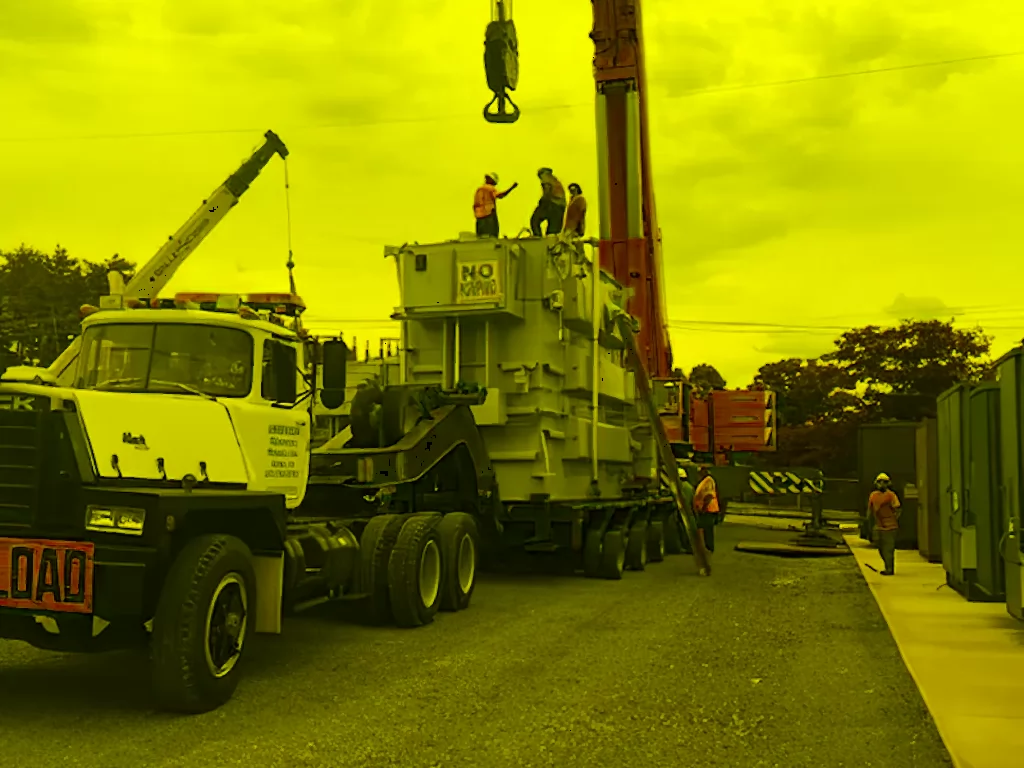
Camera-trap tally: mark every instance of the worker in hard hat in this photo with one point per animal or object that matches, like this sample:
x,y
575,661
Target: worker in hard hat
x,y
576,212
485,205
884,505
551,207
706,508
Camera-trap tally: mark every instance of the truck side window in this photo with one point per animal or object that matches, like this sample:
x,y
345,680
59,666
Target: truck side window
x,y
279,372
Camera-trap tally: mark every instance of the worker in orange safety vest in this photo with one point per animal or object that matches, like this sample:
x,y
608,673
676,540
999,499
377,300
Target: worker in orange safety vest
x,y
706,509
485,205
884,505
576,212
550,208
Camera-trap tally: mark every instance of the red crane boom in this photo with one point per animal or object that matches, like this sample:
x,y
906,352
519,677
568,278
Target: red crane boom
x,y
630,239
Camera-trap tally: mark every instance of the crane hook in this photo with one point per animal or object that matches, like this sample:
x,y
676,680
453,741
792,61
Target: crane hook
x,y
501,63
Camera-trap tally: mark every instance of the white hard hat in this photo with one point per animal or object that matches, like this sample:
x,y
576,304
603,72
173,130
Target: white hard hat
x,y
882,478
494,176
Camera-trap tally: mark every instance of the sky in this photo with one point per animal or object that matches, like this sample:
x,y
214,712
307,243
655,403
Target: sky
x,y
807,207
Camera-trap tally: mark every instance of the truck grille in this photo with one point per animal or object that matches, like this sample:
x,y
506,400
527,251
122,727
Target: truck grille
x,y
21,466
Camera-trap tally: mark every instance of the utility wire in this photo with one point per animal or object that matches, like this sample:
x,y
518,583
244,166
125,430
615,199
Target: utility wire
x,y
547,108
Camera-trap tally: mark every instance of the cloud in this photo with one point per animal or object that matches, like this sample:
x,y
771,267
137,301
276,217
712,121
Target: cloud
x,y
920,308
804,346
47,21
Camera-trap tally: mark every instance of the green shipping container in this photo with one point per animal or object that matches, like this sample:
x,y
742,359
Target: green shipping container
x,y
1010,373
984,508
958,536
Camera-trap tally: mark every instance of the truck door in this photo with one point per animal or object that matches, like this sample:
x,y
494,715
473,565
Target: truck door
x,y
273,430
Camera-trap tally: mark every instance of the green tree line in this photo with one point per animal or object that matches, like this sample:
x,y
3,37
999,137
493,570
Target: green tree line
x,y
41,295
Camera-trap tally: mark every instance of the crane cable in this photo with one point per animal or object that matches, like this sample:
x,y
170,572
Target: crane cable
x,y
288,224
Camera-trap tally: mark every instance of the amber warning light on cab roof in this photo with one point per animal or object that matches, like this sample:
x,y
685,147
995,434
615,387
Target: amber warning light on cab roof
x,y
286,304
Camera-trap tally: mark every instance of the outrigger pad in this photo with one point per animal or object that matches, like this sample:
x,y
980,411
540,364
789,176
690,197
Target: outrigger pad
x,y
781,549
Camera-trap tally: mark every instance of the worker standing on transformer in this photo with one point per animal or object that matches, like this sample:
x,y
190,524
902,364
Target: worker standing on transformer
x,y
705,506
884,504
551,208
485,205
576,213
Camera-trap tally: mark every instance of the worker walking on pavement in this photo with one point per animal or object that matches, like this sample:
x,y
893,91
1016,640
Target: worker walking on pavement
x,y
485,205
884,505
551,208
576,213
705,507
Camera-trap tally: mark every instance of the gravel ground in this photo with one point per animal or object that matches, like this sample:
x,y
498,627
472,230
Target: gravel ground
x,y
770,662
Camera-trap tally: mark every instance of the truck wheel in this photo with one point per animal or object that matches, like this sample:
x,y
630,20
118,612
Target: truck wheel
x,y
655,542
459,549
415,572
613,555
375,549
205,613
674,534
592,549
636,546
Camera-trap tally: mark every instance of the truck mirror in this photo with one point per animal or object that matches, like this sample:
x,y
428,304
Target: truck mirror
x,y
335,359
283,370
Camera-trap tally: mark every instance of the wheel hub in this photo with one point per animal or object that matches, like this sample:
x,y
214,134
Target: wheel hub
x,y
466,563
226,625
430,573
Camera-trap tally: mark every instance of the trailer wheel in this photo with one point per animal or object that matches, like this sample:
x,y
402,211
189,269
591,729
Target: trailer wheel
x,y
204,615
636,546
375,549
613,555
459,547
592,549
655,542
674,534
416,572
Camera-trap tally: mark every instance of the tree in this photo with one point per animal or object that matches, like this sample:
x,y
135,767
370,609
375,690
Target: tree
x,y
898,373
915,357
807,391
704,378
40,298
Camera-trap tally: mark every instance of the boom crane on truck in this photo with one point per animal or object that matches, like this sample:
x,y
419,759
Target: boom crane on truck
x,y
156,273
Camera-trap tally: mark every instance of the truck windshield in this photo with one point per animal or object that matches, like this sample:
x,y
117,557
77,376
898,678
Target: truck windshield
x,y
169,357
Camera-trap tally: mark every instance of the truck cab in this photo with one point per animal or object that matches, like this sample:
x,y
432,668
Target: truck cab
x,y
212,386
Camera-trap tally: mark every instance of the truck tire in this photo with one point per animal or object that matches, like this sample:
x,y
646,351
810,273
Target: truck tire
x,y
459,547
613,555
375,548
674,534
416,572
636,546
206,611
655,541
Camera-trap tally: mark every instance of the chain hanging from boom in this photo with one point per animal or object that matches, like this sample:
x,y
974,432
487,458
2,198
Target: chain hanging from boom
x,y
501,62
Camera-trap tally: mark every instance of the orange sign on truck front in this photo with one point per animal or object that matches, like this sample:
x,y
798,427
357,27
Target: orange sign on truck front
x,y
46,575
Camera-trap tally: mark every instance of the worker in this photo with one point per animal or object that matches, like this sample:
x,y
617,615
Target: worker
x,y
705,507
485,205
884,505
551,208
576,212
686,488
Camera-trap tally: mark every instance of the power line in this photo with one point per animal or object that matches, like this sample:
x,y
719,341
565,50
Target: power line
x,y
542,108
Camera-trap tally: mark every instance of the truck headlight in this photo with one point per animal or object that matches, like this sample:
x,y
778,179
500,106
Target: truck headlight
x,y
115,519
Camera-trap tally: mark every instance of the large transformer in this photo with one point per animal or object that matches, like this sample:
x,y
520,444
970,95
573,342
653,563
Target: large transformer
x,y
517,318
514,398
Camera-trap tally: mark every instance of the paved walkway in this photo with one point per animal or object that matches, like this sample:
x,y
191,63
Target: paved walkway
x,y
966,658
